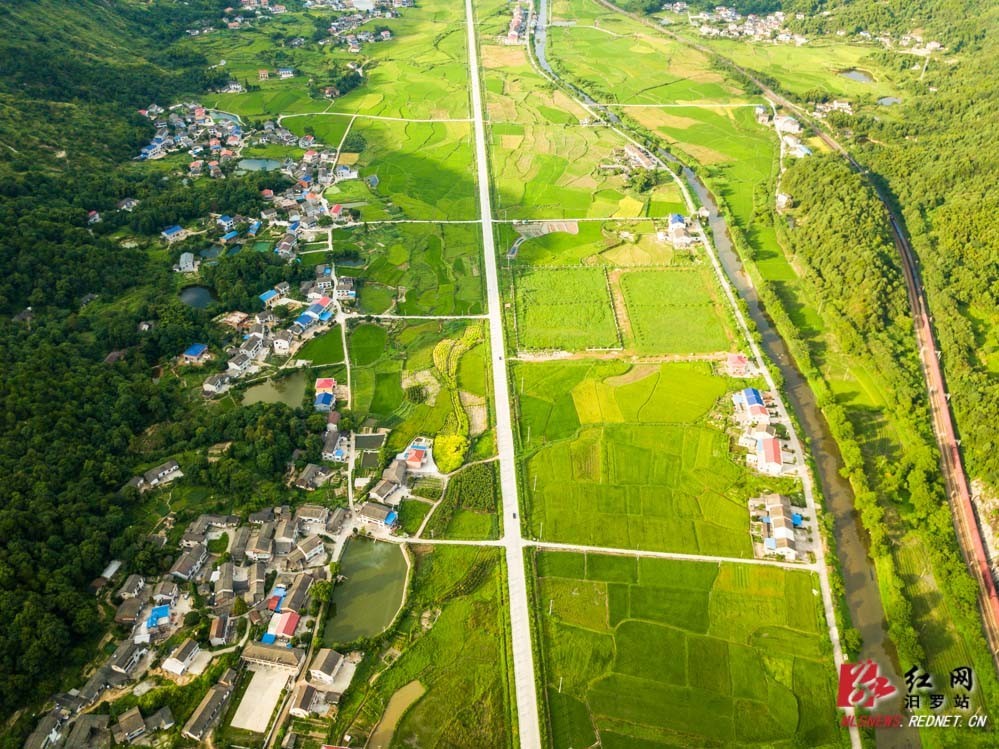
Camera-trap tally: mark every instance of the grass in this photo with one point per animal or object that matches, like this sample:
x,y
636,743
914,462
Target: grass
x,y
411,514
396,384
426,269
566,309
424,171
420,73
676,311
655,653
460,659
625,456
324,349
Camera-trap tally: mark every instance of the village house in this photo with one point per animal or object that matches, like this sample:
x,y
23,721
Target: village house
x,y
131,587
312,515
274,656
306,701
216,384
779,524
165,591
189,563
182,657
313,476
326,665
345,289
297,596
196,354
262,548
210,707
750,408
126,656
129,727
378,514
218,632
768,456
173,234
128,611
89,732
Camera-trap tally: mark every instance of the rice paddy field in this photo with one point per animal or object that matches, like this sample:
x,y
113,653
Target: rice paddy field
x,y
658,653
416,269
610,243
324,349
453,639
620,63
626,456
396,383
547,161
676,312
567,309
423,171
421,73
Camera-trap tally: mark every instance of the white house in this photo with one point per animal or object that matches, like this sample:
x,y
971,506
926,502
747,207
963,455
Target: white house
x,y
181,659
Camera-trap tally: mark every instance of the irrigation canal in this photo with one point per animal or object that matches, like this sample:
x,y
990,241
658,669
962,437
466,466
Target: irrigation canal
x,y
861,585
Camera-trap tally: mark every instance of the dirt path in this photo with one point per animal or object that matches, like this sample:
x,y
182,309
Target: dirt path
x,y
620,307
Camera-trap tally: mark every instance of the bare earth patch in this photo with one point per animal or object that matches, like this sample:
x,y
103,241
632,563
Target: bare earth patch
x,y
478,412
425,379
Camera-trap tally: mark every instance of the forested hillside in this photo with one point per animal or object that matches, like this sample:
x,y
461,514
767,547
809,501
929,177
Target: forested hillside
x,y
72,76
939,159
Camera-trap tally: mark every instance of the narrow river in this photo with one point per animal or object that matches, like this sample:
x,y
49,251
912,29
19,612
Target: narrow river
x,y
862,594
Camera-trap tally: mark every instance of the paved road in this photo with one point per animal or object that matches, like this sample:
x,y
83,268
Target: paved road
x,y
807,480
965,521
520,613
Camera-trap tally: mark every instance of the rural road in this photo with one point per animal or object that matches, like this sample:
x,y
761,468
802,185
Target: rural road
x,y
808,488
529,730
955,478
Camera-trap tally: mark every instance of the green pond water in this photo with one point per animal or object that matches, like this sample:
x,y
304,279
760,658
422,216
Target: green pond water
x,y
289,390
367,601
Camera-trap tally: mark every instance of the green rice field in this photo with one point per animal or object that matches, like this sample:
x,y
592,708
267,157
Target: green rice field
x,y
625,456
564,309
660,653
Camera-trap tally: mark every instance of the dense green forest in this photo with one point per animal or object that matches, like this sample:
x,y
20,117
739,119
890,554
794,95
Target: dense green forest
x,y
74,427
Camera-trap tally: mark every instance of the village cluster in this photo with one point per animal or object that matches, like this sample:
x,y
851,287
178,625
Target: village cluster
x,y
729,23
212,139
775,527
254,579
788,129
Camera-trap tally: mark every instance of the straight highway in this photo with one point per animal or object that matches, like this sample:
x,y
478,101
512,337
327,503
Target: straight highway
x,y
529,729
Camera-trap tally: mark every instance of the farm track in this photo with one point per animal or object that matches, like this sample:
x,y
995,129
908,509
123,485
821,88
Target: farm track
x,y
820,565
955,478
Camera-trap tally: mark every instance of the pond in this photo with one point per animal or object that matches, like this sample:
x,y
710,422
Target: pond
x,y
258,165
887,101
857,75
217,115
399,703
368,600
289,390
198,297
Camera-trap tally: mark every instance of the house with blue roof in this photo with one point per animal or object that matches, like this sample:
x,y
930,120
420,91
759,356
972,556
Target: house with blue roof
x,y
254,228
226,223
196,353
324,402
269,298
173,233
229,237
